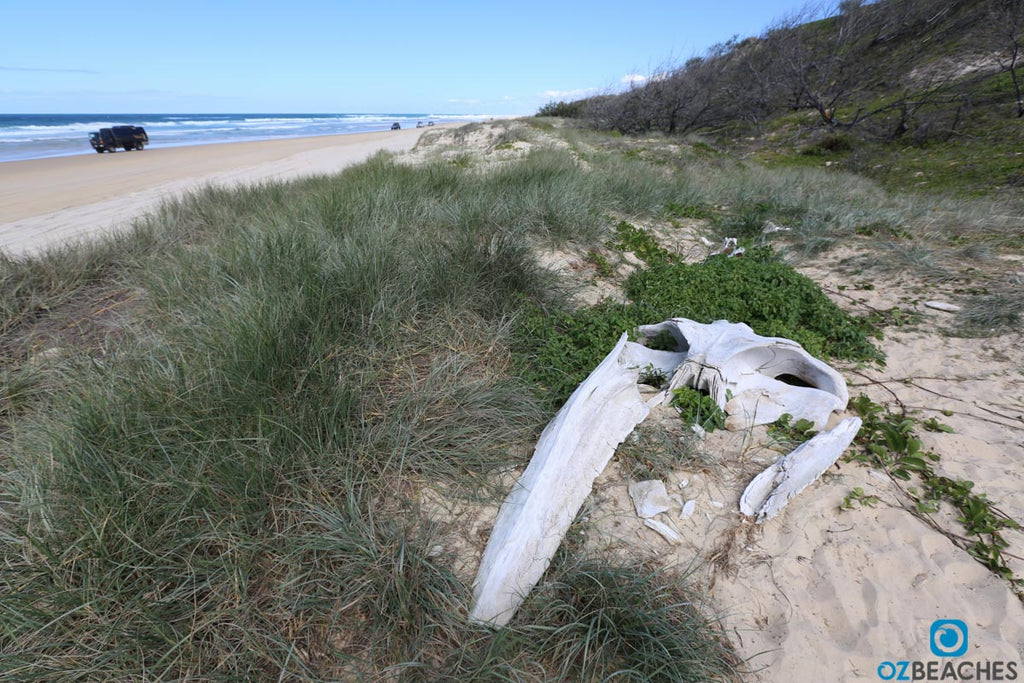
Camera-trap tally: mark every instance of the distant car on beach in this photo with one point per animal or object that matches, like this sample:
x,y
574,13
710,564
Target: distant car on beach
x,y
109,139
396,126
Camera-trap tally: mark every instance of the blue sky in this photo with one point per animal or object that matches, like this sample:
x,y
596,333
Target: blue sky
x,y
429,56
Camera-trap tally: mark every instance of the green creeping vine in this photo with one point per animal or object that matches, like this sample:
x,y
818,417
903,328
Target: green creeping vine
x,y
756,289
600,263
786,430
889,443
858,497
628,237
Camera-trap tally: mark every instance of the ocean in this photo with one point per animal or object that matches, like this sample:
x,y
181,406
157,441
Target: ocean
x,y
36,136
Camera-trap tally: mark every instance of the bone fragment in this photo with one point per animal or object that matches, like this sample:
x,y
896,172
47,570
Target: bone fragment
x,y
942,306
649,497
667,532
770,227
729,247
573,449
773,488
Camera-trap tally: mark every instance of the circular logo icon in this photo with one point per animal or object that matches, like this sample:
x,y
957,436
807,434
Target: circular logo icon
x,y
948,638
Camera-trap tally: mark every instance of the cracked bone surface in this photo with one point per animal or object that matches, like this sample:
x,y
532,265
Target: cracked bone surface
x,y
573,449
754,379
792,473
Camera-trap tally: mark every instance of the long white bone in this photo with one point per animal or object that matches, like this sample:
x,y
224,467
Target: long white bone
x,y
573,449
792,473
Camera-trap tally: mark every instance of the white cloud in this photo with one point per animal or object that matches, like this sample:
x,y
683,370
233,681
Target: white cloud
x,y
634,79
464,101
566,94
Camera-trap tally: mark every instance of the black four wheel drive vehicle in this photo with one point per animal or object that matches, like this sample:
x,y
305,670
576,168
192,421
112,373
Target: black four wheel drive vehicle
x,y
109,139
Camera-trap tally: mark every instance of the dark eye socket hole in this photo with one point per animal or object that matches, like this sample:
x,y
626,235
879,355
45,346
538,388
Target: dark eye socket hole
x,y
794,381
665,340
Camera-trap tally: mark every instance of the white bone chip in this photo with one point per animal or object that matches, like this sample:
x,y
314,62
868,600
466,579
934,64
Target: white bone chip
x,y
942,306
666,532
649,497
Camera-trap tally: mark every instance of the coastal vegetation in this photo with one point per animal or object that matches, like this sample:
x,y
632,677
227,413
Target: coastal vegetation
x,y
219,429
923,95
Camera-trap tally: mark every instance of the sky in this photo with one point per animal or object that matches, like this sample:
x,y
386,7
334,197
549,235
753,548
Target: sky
x,y
320,56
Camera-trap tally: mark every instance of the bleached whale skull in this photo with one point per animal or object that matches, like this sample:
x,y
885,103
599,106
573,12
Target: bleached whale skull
x,y
754,379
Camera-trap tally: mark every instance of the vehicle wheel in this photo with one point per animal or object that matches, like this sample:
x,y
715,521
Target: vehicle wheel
x,y
99,151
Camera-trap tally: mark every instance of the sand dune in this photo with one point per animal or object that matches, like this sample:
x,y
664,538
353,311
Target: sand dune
x,y
49,201
816,594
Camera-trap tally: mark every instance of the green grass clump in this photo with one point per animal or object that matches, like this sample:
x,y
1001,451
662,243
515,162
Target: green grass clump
x,y
172,495
601,620
829,145
992,313
619,622
697,408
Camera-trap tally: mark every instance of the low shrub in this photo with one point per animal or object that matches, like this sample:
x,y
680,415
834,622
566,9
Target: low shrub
x,y
557,349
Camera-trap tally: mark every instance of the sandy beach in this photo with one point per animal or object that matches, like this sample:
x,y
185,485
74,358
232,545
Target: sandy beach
x,y
45,202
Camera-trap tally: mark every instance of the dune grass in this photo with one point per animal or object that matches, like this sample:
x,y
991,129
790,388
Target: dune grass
x,y
221,483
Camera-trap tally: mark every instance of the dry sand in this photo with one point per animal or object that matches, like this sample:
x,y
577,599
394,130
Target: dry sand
x,y
45,202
